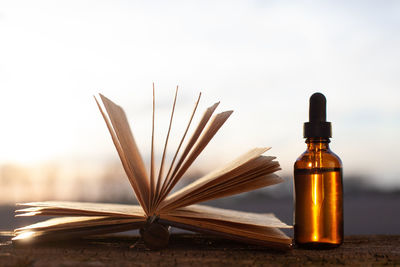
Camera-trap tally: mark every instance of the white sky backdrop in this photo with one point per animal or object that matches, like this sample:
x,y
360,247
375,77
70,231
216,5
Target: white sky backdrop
x,y
261,58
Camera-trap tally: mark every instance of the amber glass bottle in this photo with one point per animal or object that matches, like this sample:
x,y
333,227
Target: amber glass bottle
x,y
318,187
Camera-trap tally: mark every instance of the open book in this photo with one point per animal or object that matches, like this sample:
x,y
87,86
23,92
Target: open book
x,y
160,207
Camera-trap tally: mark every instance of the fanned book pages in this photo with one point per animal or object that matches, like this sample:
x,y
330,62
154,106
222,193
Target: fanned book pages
x,y
159,207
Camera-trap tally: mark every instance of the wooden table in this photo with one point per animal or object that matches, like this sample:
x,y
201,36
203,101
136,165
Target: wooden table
x,y
197,250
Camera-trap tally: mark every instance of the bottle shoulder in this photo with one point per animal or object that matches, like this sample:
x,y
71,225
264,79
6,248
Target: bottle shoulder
x,y
322,159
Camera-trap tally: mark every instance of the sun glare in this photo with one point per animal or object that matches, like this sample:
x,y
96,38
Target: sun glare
x,y
24,236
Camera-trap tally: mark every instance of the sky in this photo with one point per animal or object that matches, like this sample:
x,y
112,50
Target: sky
x,y
263,59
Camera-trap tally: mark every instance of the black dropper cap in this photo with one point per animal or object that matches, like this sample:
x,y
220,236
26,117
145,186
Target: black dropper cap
x,y
317,126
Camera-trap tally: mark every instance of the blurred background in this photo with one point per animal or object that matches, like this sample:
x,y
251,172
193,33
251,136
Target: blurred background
x,y
263,59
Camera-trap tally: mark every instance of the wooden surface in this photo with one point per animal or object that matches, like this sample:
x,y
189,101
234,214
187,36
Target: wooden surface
x,y
197,250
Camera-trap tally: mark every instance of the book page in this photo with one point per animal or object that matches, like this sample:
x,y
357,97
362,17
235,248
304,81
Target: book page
x,y
74,227
205,138
152,161
249,171
65,208
170,173
230,230
250,155
212,213
237,186
254,226
64,223
83,219
192,141
259,169
137,174
124,160
160,174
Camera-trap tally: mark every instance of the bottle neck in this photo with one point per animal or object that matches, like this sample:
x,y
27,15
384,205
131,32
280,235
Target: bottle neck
x,y
317,143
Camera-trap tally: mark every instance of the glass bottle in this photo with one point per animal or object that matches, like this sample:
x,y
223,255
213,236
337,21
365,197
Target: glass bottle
x,y
318,186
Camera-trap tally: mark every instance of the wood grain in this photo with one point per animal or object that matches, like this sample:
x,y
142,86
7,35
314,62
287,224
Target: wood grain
x,y
198,250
